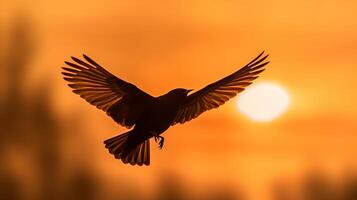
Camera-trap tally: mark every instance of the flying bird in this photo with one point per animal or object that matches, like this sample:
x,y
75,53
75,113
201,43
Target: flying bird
x,y
150,116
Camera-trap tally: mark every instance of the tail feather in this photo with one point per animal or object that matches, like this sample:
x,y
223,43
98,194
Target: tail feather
x,y
140,155
121,149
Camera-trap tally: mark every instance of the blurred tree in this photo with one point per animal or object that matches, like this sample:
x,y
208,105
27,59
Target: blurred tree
x,y
170,188
14,65
13,106
349,187
28,123
224,193
282,191
317,186
81,185
8,186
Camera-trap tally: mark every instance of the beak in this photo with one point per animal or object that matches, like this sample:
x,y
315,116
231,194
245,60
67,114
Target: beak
x,y
188,91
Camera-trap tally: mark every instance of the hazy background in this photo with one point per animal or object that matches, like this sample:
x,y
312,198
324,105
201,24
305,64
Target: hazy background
x,y
51,144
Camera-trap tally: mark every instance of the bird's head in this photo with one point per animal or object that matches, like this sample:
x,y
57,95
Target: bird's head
x,y
180,92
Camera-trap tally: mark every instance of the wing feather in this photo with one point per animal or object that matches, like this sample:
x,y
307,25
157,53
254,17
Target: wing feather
x,y
219,92
121,100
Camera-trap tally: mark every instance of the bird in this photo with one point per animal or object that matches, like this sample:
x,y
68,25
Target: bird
x,y
145,115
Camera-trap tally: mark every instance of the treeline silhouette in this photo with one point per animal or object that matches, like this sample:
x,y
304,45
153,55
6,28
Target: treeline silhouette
x,y
318,186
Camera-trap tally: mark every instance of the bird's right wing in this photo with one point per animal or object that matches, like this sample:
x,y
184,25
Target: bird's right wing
x,y
217,93
121,100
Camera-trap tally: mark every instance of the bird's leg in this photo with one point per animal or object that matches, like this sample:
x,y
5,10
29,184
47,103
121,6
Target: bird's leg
x,y
158,139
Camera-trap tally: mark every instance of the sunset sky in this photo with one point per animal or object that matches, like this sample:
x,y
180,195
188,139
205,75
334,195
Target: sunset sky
x,y
161,45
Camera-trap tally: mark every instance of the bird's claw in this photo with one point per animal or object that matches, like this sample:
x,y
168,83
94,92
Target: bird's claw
x,y
160,140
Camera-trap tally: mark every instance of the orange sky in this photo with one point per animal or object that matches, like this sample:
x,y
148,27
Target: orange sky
x,y
162,45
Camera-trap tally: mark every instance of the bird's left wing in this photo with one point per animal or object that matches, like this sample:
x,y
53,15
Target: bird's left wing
x,y
219,92
121,100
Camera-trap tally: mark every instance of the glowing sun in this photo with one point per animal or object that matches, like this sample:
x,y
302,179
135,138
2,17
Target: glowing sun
x,y
264,101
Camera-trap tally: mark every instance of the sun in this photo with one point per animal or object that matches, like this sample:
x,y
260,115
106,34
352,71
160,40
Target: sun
x,y
264,101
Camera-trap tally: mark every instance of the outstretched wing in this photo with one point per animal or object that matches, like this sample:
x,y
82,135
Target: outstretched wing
x,y
121,100
219,92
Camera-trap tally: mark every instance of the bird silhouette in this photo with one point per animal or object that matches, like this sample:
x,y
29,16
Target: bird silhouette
x,y
151,116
